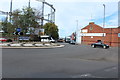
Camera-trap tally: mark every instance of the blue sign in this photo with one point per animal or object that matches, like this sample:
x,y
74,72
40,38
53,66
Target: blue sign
x,y
118,34
18,29
24,38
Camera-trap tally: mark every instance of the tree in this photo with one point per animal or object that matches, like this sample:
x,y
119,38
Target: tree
x,y
25,19
16,17
4,24
7,28
52,30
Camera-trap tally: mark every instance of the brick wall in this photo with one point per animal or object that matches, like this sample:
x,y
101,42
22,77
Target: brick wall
x,y
111,37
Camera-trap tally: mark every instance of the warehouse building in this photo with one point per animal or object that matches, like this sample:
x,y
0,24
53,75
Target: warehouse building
x,y
93,32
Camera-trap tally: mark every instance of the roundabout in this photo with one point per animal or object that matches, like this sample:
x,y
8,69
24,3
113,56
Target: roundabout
x,y
30,45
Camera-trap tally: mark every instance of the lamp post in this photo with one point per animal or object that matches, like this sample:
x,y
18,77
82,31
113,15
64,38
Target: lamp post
x,y
103,22
77,31
29,4
10,10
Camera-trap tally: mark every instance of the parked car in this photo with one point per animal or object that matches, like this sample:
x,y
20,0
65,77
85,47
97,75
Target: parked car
x,y
67,39
100,44
52,40
9,40
72,42
60,40
3,39
46,38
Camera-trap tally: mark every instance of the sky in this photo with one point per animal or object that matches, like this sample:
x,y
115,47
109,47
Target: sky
x,y
72,15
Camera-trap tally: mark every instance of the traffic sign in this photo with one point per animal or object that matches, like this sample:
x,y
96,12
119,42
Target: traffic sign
x,y
24,38
18,29
118,34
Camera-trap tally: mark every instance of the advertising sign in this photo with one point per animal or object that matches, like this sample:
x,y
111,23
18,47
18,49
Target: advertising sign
x,y
93,34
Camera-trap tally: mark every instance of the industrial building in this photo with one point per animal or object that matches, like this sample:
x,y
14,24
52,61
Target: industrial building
x,y
93,32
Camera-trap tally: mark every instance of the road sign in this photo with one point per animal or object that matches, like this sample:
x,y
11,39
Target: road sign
x,y
18,29
20,33
24,38
118,34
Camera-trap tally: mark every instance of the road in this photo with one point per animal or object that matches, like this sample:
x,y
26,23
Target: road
x,y
71,61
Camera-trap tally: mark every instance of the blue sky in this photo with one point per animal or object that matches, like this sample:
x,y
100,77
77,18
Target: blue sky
x,y
69,11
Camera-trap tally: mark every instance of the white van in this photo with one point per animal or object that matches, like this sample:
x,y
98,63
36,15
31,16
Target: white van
x,y
46,38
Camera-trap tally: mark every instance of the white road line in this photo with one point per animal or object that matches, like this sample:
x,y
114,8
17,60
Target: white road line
x,y
87,75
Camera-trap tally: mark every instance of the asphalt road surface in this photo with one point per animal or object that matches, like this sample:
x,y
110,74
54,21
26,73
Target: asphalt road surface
x,y
71,61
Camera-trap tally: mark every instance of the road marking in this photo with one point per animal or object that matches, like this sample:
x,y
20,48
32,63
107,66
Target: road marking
x,y
110,69
87,75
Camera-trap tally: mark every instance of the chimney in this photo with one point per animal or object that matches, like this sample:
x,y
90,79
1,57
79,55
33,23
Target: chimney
x,y
91,23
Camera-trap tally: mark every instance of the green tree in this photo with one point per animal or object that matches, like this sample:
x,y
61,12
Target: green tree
x,y
8,28
16,17
4,24
51,29
25,19
29,18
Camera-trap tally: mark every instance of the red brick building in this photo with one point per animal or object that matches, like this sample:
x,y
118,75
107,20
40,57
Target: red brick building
x,y
92,32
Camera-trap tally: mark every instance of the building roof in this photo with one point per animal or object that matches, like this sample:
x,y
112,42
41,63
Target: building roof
x,y
91,25
106,26
110,26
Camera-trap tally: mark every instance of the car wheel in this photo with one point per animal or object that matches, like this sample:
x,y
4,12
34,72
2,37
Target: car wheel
x,y
93,46
104,47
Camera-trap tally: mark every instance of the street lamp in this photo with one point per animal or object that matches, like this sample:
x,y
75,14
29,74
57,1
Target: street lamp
x,y
77,31
103,22
29,4
10,10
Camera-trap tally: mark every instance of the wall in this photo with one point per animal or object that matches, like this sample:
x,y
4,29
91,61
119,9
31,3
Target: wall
x,y
111,37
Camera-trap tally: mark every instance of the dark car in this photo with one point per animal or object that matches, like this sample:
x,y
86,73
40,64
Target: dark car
x,y
9,40
100,44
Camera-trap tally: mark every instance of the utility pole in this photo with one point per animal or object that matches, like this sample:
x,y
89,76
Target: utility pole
x,y
103,23
76,32
10,10
77,25
42,14
29,4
